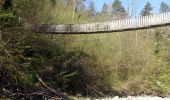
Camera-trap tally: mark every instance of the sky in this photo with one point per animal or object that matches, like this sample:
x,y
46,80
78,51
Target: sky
x,y
139,4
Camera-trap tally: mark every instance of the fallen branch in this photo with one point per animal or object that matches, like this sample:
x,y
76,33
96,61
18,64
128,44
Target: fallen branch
x,y
45,85
5,91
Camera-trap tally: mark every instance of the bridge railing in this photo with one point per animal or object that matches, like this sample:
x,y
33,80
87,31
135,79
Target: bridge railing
x,y
111,26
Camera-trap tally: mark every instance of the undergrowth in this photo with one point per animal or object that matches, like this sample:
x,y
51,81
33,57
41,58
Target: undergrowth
x,y
126,63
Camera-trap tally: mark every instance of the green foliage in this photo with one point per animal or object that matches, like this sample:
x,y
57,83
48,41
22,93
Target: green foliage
x,y
104,15
117,9
22,57
32,11
131,63
91,9
125,65
146,10
7,19
105,9
164,7
81,9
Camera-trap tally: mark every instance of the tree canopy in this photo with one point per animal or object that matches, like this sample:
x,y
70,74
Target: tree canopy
x,y
91,9
164,7
117,9
147,10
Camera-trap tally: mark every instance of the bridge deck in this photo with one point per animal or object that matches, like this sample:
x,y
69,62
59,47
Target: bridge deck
x,y
112,26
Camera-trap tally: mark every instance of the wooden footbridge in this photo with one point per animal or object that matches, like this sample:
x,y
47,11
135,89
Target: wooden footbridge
x,y
144,22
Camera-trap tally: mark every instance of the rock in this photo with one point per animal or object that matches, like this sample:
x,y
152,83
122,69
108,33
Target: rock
x,y
130,98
